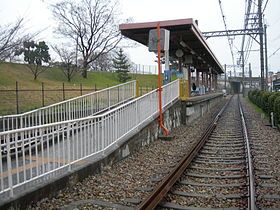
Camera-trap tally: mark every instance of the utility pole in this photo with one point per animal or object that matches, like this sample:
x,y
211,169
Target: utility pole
x,y
266,64
243,76
261,42
250,75
225,77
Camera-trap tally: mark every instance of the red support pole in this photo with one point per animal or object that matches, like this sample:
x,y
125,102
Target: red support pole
x,y
161,123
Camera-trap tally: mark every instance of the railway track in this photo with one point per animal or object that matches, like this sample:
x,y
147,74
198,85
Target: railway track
x,y
218,172
265,156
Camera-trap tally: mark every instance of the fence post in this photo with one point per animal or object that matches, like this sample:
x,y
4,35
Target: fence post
x,y
118,94
9,166
63,91
81,88
95,88
17,97
137,89
109,97
43,95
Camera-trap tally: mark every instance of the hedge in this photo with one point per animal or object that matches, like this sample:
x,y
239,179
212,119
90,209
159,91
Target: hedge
x,y
271,100
276,110
267,101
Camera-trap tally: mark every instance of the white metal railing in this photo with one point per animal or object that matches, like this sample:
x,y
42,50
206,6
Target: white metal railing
x,y
74,108
54,149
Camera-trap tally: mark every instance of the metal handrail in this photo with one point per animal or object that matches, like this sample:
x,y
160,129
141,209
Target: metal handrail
x,y
77,140
78,107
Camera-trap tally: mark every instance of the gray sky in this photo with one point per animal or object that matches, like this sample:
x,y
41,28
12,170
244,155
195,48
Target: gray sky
x,y
207,12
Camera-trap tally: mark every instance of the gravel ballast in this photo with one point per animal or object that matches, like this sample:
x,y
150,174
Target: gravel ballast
x,y
134,176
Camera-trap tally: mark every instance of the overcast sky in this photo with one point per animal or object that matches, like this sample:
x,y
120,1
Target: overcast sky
x,y
207,12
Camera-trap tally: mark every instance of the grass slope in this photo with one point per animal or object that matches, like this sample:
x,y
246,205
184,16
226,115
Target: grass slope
x,y
52,79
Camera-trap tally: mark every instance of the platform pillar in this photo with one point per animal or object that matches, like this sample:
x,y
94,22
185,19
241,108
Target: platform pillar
x,y
197,78
210,82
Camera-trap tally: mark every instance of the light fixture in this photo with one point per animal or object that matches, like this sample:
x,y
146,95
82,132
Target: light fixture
x,y
179,53
183,44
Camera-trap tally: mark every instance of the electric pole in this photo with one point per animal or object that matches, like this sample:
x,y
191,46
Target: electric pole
x,y
225,77
266,64
243,76
250,75
261,42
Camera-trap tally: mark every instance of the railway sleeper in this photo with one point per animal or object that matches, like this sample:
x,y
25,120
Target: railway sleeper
x,y
185,182
215,177
219,196
169,205
217,152
217,169
228,162
225,158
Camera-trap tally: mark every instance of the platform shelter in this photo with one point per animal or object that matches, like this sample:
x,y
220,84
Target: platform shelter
x,y
188,49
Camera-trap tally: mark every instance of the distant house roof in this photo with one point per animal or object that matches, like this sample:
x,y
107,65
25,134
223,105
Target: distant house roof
x,y
184,34
276,82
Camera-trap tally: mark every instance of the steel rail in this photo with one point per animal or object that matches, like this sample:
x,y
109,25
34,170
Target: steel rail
x,y
166,184
250,169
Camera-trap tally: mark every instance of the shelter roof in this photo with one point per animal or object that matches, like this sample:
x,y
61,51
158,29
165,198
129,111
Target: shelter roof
x,y
184,34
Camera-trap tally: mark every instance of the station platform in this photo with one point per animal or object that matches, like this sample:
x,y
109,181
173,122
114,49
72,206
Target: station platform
x,y
202,98
196,106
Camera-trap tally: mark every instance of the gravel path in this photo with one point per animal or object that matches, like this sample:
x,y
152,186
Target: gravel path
x,y
134,176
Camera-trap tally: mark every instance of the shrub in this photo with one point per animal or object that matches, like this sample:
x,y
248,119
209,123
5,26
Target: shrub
x,y
258,98
253,96
271,100
264,101
268,102
276,110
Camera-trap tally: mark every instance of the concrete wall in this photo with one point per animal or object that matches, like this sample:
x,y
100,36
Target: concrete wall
x,y
197,109
127,146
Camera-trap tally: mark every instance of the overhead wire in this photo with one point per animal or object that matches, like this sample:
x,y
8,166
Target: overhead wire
x,y
228,37
274,52
265,6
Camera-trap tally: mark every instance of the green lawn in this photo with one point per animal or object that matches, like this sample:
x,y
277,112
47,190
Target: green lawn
x,y
53,78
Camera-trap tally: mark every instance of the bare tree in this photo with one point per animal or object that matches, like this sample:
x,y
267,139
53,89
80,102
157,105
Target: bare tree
x,y
67,61
91,25
103,62
12,37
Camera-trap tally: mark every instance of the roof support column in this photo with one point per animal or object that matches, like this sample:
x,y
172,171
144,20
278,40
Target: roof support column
x,y
189,79
203,77
207,81
215,82
210,80
197,78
